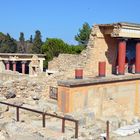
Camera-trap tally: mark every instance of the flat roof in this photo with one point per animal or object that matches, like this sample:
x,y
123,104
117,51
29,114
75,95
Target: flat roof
x,y
122,24
20,54
121,29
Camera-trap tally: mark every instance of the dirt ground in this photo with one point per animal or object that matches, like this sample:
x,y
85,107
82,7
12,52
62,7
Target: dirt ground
x,y
132,137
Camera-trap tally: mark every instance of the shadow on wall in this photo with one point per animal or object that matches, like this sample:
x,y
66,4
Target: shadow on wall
x,y
111,52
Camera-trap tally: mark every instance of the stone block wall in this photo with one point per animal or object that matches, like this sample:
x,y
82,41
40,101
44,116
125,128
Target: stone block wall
x,y
67,63
101,47
9,75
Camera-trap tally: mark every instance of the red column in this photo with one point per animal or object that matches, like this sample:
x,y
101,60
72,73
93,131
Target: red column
x,y
14,66
137,68
23,67
102,69
121,57
7,65
78,73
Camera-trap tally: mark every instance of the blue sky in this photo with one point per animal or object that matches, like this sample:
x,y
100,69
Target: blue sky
x,y
63,18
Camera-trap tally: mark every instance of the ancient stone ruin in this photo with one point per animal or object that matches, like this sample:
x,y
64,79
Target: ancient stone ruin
x,y
100,84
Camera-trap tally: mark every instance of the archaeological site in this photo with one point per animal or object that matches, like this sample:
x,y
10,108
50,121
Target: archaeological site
x,y
94,95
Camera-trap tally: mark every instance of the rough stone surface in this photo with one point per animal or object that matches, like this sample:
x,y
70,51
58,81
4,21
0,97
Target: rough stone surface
x,y
10,94
101,47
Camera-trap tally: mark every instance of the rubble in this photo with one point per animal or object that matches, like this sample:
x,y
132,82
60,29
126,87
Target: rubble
x,y
34,93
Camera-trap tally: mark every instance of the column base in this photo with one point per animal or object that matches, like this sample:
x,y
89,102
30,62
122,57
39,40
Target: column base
x,y
78,77
137,72
120,74
102,75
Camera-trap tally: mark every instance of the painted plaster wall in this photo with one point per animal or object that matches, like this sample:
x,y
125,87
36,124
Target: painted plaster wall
x,y
102,97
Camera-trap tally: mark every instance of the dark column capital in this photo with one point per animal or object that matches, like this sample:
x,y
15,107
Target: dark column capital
x,y
123,39
23,62
138,44
6,62
14,62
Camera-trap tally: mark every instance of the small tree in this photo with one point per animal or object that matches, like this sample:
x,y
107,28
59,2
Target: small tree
x,y
7,44
54,46
21,38
83,36
21,44
37,43
31,39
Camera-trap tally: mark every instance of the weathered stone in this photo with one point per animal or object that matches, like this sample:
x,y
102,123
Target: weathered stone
x,y
10,94
136,119
35,96
38,135
4,135
123,123
34,84
17,102
24,82
22,87
4,108
1,83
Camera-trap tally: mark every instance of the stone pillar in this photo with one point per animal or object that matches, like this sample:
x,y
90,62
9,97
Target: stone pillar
x,y
121,57
102,69
23,67
78,73
137,68
7,65
14,65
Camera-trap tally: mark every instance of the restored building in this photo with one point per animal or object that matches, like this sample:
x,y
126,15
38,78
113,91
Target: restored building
x,y
117,46
24,63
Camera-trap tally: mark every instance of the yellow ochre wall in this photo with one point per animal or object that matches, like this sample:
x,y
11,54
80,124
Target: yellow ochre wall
x,y
126,94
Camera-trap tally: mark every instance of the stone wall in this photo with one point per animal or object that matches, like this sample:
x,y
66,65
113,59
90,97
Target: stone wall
x,y
101,47
67,63
64,61
9,75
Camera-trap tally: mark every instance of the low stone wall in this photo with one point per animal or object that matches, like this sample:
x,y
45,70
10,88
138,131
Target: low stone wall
x,y
119,98
11,76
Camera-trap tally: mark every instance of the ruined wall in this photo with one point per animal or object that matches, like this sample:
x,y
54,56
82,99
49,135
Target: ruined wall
x,y
67,63
101,47
119,99
6,76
